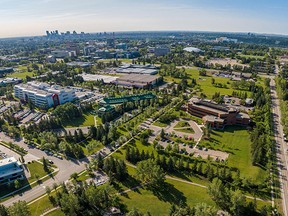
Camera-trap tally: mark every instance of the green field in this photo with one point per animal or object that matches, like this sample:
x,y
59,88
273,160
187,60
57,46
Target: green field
x,y
159,202
181,124
235,140
205,83
185,130
57,212
86,120
41,205
35,168
20,75
160,124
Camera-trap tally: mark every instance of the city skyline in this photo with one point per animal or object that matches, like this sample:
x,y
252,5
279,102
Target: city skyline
x,y
33,17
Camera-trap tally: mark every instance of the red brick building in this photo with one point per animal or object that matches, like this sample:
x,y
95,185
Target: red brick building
x,y
216,115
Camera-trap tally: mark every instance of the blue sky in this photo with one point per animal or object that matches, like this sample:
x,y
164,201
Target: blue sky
x,y
34,17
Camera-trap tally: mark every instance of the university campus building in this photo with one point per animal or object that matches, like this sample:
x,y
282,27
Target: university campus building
x,y
43,95
10,170
216,115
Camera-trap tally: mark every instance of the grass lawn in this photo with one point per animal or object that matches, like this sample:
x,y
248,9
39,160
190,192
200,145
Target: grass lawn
x,y
159,124
35,168
181,124
206,83
158,202
57,212
86,120
42,205
20,75
235,140
185,130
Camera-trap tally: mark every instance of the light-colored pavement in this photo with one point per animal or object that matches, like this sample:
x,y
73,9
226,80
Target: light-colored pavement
x,y
281,146
197,131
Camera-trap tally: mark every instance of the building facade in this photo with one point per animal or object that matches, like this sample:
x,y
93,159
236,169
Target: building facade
x,y
10,170
216,115
43,95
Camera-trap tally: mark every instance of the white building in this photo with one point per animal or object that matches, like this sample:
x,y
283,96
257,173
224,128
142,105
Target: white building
x,y
60,53
10,170
43,95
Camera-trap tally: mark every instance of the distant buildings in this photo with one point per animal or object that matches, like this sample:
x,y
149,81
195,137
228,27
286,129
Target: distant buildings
x,y
98,77
226,40
9,80
216,115
138,80
51,59
79,64
193,49
10,170
60,53
6,70
137,69
122,46
43,95
161,50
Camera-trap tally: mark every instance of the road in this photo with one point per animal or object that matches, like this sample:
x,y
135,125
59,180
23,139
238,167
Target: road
x,y
66,168
281,146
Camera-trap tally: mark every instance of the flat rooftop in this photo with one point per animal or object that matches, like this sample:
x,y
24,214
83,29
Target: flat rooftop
x,y
140,78
211,118
96,77
7,161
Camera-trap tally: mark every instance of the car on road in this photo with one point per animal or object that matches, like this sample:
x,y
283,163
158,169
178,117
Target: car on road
x,y
50,161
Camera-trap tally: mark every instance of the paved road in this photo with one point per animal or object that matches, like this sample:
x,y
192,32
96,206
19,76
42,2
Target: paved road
x,y
281,146
66,168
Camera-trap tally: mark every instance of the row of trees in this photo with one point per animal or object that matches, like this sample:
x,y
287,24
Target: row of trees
x,y
260,135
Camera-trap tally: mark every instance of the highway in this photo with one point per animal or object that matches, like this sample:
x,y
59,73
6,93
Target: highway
x,y
281,146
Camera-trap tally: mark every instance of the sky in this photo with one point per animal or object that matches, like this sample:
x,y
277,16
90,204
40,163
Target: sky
x,y
34,17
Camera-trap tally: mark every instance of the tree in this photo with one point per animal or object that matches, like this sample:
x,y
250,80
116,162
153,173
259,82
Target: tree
x,y
17,184
70,204
74,176
148,172
45,165
238,201
162,134
19,208
220,194
134,212
48,190
3,210
202,209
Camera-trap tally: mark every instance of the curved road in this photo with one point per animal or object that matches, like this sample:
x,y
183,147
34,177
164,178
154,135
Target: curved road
x,y
66,168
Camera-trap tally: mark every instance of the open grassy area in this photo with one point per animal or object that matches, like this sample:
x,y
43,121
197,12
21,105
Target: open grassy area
x,y
159,124
86,120
181,124
185,130
57,212
159,202
20,75
205,83
35,168
235,140
42,205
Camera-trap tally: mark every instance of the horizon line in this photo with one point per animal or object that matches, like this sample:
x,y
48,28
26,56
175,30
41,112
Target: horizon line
x,y
143,31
